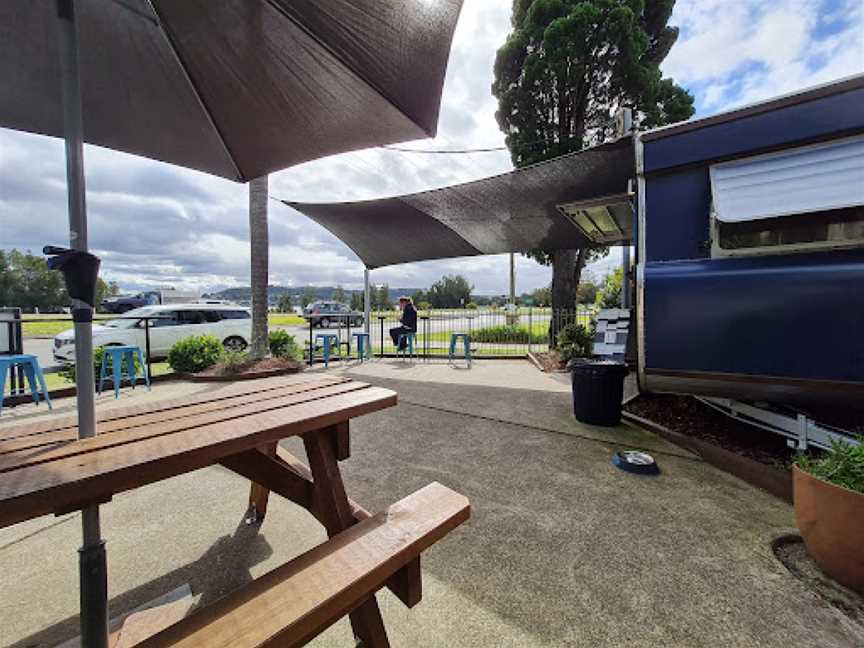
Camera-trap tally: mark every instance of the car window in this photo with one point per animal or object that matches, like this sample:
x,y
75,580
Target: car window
x,y
213,316
237,314
191,317
168,318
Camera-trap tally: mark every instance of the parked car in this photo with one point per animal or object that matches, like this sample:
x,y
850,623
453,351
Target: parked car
x,y
124,303
230,323
323,314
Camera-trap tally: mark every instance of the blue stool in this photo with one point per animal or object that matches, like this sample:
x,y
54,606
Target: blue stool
x,y
330,340
116,354
30,364
410,339
364,349
466,340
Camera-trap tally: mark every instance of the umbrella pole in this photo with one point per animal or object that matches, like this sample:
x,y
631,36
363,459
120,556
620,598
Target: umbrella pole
x,y
93,572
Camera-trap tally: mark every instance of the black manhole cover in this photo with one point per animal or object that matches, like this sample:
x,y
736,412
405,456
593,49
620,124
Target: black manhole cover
x,y
790,550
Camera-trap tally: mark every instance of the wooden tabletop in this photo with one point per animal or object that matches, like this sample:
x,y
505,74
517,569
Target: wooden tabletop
x,y
45,468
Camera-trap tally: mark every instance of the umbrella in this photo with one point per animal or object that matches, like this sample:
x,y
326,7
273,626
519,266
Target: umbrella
x,y
235,88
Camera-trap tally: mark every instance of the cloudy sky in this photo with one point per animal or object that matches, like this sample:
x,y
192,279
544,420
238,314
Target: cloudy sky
x,y
155,224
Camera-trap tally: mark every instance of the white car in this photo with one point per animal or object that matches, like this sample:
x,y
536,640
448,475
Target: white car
x,y
230,323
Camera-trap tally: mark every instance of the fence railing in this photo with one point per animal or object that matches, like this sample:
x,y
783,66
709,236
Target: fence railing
x,y
494,332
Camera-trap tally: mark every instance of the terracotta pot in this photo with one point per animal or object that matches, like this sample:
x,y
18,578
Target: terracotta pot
x,y
831,521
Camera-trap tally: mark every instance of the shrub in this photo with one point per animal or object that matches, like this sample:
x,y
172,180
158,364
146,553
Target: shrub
x,y
283,345
508,335
471,306
574,341
196,353
423,305
843,466
67,371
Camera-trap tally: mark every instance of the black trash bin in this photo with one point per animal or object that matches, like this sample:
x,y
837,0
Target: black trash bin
x,y
598,387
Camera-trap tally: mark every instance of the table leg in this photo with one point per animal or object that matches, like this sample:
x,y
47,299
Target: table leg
x,y
259,495
332,503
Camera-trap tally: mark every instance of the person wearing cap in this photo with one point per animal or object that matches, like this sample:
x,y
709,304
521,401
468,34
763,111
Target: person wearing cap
x,y
408,321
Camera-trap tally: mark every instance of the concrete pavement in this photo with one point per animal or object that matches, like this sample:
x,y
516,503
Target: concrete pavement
x,y
562,548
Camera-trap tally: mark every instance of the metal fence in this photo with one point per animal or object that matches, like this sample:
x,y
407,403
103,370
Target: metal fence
x,y
494,333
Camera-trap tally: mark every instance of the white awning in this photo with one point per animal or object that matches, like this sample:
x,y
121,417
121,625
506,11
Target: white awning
x,y
807,179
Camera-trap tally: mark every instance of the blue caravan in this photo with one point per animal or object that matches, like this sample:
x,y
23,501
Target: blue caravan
x,y
750,252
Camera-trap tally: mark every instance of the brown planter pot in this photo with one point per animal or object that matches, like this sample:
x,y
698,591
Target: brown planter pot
x,y
831,521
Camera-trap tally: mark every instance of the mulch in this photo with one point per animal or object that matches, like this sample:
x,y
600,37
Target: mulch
x,y
252,368
686,415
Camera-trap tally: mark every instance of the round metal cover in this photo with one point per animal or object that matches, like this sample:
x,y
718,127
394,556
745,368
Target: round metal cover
x,y
636,461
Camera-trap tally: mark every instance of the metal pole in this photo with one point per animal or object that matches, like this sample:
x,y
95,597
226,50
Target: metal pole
x,y
91,557
367,303
625,279
512,278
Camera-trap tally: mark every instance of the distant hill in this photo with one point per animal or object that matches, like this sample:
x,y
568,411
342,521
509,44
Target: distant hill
x,y
244,293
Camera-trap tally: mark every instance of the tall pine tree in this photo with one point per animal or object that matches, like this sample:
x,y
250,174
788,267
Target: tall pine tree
x,y
564,71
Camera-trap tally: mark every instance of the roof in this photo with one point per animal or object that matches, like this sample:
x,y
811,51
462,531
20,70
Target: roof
x,y
512,212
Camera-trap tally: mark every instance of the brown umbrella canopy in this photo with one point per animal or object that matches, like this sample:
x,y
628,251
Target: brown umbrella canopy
x,y
236,88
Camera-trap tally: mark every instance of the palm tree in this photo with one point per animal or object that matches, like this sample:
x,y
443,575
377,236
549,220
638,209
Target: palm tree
x,y
259,252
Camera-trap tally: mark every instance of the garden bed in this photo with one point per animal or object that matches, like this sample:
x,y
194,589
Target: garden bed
x,y
548,361
246,370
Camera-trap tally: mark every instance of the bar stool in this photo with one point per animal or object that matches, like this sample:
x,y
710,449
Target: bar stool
x,y
116,355
410,339
330,340
30,364
466,340
364,349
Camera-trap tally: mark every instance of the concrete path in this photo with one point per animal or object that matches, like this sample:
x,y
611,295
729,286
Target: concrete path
x,y
562,548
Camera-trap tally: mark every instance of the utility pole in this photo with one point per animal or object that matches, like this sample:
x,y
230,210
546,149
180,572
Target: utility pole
x,y
512,278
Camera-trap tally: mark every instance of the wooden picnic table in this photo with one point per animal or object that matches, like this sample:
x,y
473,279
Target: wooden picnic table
x,y
45,468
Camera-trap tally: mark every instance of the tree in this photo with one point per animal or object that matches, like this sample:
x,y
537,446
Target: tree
x,y
105,290
566,68
610,295
286,304
356,301
307,297
542,296
586,293
339,295
259,256
451,291
26,282
381,297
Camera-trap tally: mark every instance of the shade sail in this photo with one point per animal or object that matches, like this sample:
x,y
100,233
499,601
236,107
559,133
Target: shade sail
x,y
236,88
512,212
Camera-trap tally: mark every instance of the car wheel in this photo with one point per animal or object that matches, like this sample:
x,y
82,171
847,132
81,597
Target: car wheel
x,y
324,323
236,344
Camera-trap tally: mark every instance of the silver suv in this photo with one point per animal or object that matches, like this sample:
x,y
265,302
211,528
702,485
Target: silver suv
x,y
323,314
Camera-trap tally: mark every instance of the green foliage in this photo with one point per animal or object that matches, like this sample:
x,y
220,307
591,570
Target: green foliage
x,y
26,281
508,334
283,345
356,301
610,295
339,295
574,341
586,293
423,305
380,297
196,353
67,371
451,291
471,306
843,466
307,297
286,304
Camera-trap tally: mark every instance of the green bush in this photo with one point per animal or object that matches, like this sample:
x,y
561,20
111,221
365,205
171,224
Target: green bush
x,y
196,353
283,345
471,306
843,466
423,305
574,341
67,371
508,335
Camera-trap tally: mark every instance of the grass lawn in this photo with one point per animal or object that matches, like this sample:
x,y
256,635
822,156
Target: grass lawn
x,y
285,319
54,381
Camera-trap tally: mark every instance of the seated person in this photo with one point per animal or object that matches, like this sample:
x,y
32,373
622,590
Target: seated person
x,y
408,321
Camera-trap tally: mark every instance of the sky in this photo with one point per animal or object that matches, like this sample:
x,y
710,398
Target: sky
x,y
158,225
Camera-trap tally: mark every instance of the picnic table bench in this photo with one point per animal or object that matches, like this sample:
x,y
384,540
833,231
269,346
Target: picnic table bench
x,y
45,468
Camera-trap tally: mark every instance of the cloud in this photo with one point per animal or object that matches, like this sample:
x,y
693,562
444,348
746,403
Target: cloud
x,y
159,225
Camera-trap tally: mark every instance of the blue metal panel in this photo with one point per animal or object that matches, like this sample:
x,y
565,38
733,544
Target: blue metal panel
x,y
797,316
677,215
775,128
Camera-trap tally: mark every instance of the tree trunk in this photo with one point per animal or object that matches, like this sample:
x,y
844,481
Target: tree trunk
x,y
567,268
259,257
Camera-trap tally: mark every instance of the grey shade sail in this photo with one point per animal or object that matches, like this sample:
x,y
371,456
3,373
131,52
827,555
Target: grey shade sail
x,y
235,88
512,212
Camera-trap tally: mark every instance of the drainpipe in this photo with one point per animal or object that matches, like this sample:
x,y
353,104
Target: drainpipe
x,y
367,305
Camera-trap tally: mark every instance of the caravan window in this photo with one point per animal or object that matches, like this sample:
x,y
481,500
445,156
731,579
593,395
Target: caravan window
x,y
796,200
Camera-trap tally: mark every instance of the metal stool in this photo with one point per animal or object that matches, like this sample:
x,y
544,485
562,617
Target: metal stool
x,y
466,340
328,339
364,348
30,364
116,354
410,339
